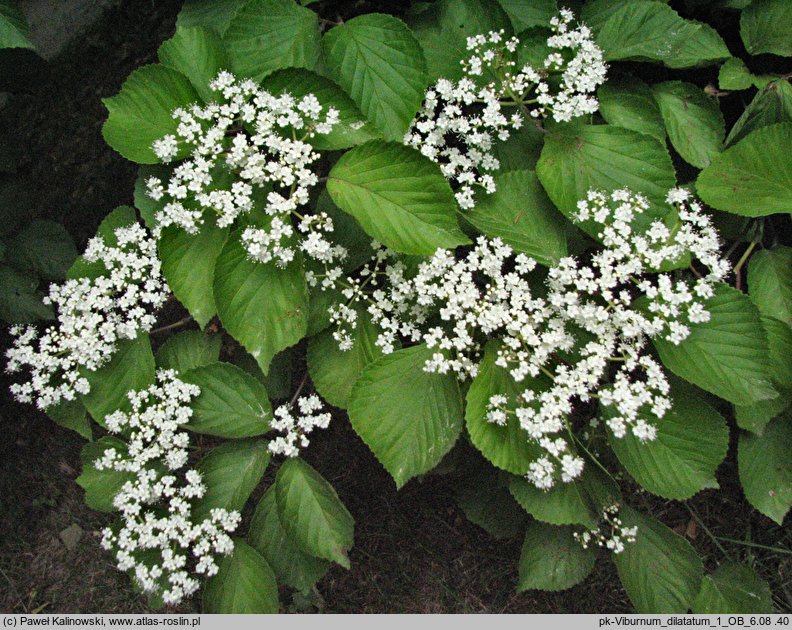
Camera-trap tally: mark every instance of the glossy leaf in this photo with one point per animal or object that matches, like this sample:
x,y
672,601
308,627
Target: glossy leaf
x,y
409,434
244,584
231,404
378,61
398,196
552,560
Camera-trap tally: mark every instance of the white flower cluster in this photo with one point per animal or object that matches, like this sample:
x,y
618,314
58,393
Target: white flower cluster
x,y
159,542
296,429
248,143
460,122
585,339
93,315
614,536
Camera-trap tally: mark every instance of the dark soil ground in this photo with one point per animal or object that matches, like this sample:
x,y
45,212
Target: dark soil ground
x,y
414,550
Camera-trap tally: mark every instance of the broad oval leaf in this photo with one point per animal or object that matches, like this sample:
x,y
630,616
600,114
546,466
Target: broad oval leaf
x,y
230,473
527,13
130,368
188,264
770,282
263,306
408,417
209,13
642,30
629,102
506,447
142,111
485,499
754,177
398,196
660,571
14,29
380,64
292,566
243,584
520,213
577,159
334,371
101,486
725,356
765,467
693,120
691,442
189,349
443,27
267,35
198,54
312,514
563,504
20,299
764,27
72,415
733,588
44,247
552,560
231,404
352,127
771,105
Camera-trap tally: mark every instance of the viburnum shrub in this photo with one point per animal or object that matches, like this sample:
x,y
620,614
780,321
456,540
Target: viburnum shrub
x,y
498,246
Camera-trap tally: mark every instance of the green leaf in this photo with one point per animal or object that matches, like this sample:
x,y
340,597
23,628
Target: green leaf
x,y
779,341
734,588
409,434
726,355
198,54
20,301
230,473
563,504
244,584
765,466
378,61
267,536
521,150
629,102
189,349
770,282
642,30
660,571
693,120
44,247
398,196
231,404
754,177
552,560
130,368
123,216
142,111
444,28
754,418
312,514
352,127
334,371
347,233
577,159
735,75
188,264
72,415
14,30
147,206
527,13
209,13
692,440
267,35
765,27
507,447
485,500
263,306
520,213
771,105
101,486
